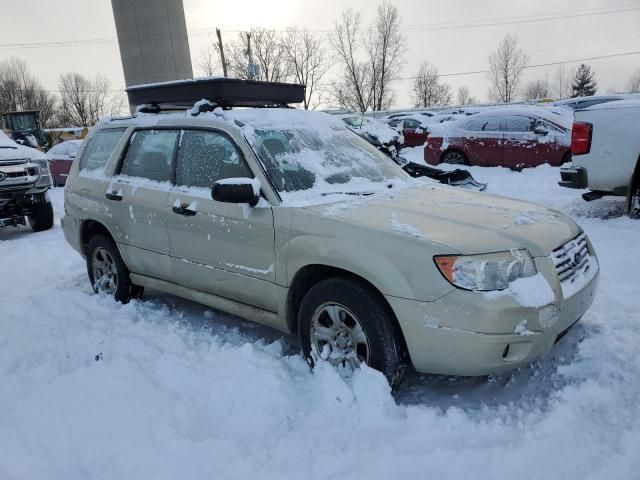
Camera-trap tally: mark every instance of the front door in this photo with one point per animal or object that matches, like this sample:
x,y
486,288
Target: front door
x,y
222,248
136,198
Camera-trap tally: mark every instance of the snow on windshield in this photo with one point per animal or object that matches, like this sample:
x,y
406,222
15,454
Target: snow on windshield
x,y
311,155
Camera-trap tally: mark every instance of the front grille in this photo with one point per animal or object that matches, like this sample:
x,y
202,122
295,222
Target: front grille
x,y
572,258
19,174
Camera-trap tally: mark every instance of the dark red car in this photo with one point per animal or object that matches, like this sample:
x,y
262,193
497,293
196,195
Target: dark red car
x,y
60,159
514,137
413,129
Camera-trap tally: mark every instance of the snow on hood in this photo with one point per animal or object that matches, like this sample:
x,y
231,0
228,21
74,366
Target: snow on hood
x,y
10,150
468,222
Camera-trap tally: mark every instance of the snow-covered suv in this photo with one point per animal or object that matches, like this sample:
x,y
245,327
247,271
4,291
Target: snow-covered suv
x,y
287,218
24,182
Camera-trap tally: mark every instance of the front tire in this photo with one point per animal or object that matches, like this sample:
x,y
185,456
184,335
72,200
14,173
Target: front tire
x,y
107,272
42,217
347,324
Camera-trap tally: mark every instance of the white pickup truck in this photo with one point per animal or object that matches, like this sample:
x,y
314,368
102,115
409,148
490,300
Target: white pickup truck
x,y
605,148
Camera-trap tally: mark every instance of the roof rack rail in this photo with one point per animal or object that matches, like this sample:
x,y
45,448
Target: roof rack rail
x,y
224,92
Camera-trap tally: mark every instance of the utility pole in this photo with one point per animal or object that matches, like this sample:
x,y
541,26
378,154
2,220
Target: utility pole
x,y
250,69
221,48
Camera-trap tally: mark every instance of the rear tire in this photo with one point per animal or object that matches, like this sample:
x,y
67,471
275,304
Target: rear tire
x,y
107,272
455,157
42,217
634,202
346,323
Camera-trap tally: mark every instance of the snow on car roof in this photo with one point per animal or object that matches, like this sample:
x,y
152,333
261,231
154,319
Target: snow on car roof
x,y
617,104
286,119
559,116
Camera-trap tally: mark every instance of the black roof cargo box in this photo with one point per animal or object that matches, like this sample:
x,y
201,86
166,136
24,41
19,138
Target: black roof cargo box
x,y
226,92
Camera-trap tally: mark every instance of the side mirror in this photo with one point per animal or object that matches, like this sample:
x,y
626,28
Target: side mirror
x,y
540,130
237,190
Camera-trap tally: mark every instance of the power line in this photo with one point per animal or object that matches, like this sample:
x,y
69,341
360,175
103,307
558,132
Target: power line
x,y
411,28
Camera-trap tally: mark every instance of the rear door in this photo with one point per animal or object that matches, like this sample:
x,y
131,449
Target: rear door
x,y
222,248
136,198
481,140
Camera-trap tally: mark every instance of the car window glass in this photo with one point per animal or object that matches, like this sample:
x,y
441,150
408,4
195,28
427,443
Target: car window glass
x,y
395,123
411,124
99,148
519,123
491,124
150,154
205,157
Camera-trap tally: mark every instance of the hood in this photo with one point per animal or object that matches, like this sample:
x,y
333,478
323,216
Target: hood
x,y
10,150
459,221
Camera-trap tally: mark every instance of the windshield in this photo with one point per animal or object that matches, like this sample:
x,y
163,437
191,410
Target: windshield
x,y
298,160
22,123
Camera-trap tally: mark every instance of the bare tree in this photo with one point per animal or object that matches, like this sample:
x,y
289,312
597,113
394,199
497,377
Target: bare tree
x,y
385,47
428,90
354,91
505,69
207,60
464,96
307,62
370,60
537,89
633,85
83,101
20,90
562,82
261,46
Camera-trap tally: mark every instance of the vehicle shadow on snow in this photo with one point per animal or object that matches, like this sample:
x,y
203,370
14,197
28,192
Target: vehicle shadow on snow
x,y
532,386
604,208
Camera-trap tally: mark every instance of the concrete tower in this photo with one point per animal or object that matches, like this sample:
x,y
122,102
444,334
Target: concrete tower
x,y
152,35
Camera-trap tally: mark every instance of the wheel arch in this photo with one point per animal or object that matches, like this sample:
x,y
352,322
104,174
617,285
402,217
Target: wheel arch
x,y
634,184
312,274
91,228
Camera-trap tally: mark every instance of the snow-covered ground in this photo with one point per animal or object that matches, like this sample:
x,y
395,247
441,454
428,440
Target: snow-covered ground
x,y
163,388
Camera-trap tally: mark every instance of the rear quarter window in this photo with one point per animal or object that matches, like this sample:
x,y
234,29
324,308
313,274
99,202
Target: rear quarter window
x,y
99,148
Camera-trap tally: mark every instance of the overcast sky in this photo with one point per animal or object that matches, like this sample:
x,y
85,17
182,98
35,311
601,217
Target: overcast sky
x,y
455,35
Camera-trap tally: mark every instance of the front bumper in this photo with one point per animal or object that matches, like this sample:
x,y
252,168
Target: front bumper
x,y
574,177
463,333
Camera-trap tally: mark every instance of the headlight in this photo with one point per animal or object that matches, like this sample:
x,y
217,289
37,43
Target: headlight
x,y
488,271
45,174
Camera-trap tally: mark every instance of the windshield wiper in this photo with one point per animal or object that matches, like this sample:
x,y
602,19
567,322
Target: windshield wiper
x,y
364,194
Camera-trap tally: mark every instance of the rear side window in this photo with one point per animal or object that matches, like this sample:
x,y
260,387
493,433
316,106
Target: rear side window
x,y
150,154
99,148
482,124
206,156
411,124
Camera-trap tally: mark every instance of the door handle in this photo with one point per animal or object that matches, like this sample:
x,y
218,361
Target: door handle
x,y
113,196
183,210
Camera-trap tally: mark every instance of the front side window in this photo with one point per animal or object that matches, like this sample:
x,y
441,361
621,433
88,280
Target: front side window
x,y
99,148
519,123
411,124
205,157
150,154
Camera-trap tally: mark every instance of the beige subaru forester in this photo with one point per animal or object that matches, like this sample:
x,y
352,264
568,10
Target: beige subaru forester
x,y
286,218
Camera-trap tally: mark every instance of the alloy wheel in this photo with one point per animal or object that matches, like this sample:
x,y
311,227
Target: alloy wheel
x,y
338,337
105,273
